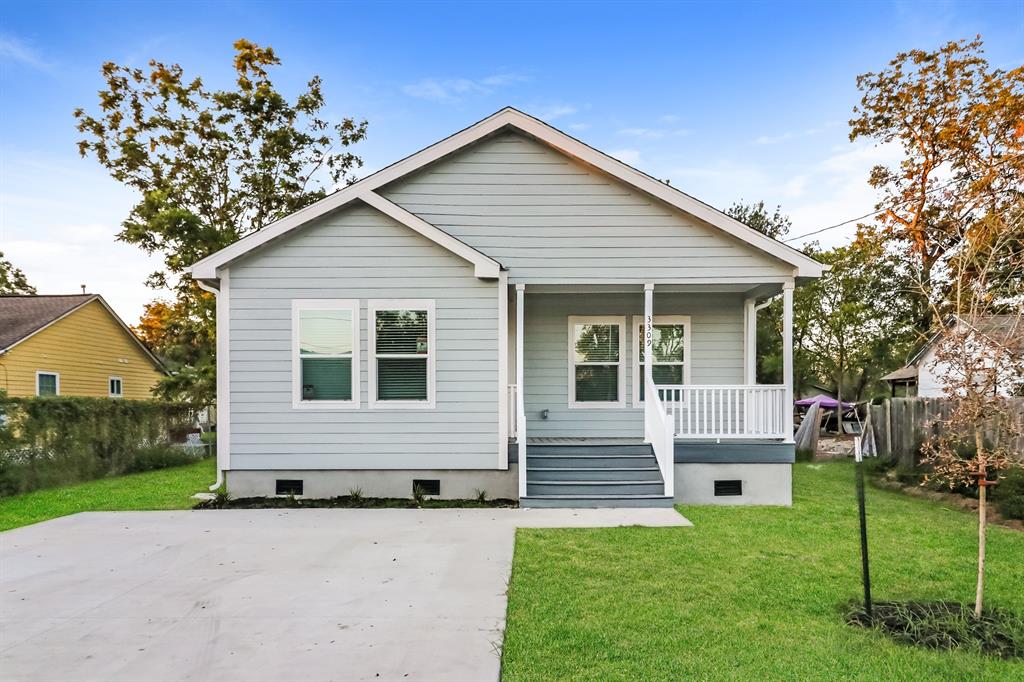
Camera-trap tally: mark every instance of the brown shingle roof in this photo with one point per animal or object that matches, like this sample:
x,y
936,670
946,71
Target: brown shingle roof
x,y
21,316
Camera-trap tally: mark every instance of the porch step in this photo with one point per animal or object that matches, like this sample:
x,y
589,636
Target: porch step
x,y
592,460
548,473
590,488
588,448
592,501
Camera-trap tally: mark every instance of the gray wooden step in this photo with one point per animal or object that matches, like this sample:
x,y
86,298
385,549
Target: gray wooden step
x,y
591,501
575,473
586,488
590,460
605,449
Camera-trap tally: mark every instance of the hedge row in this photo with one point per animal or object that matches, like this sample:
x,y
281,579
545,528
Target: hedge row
x,y
57,440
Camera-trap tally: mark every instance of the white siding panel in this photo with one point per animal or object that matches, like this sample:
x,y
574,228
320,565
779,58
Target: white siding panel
x,y
550,219
716,355
359,253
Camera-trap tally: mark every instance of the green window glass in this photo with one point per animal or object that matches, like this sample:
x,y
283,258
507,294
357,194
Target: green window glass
x,y
402,352
669,343
596,362
46,384
325,352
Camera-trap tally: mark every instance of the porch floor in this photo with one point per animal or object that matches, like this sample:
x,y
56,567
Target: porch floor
x,y
582,440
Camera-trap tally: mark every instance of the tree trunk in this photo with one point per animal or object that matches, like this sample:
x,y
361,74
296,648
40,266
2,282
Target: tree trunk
x,y
982,522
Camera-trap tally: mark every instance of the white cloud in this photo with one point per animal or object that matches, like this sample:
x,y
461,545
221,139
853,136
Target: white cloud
x,y
794,134
670,119
630,156
654,133
579,126
554,111
16,50
441,89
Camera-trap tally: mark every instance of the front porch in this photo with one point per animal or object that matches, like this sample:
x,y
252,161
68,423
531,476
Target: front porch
x,y
592,355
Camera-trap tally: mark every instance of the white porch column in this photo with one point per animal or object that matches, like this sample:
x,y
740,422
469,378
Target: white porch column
x,y
520,388
750,345
503,407
648,345
787,357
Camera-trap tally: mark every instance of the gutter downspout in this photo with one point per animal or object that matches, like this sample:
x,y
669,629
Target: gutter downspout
x,y
220,472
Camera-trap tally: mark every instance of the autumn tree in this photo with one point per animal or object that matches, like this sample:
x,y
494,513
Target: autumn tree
x,y
13,280
209,167
958,124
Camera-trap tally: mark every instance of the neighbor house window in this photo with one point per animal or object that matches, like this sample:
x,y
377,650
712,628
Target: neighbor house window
x,y
115,387
596,369
325,354
47,383
671,342
402,353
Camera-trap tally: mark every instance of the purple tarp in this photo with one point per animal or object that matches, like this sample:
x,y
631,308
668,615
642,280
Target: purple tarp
x,y
823,400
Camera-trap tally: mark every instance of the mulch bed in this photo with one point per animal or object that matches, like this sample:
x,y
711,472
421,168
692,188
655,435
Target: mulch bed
x,y
350,502
945,625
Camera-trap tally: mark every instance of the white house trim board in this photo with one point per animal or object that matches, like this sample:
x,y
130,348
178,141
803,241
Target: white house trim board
x,y
503,407
509,118
223,296
372,306
300,304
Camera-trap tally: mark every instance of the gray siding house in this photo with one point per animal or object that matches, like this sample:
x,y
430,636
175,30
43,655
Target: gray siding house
x,y
508,310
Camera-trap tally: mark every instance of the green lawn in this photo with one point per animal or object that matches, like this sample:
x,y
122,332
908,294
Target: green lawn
x,y
162,489
751,593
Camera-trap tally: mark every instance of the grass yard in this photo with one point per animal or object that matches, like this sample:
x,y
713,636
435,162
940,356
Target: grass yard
x,y
170,488
751,593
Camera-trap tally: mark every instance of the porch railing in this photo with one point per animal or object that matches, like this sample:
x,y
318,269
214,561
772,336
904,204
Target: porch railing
x,y
722,411
658,430
513,411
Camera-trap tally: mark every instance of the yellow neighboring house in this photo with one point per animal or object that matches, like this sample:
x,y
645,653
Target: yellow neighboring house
x,y
71,345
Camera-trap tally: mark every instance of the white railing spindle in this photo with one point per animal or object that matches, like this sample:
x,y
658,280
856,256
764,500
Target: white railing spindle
x,y
724,411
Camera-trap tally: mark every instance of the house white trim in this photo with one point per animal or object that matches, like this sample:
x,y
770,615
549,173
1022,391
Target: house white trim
x,y
619,320
48,373
120,385
372,306
503,406
636,329
300,304
507,118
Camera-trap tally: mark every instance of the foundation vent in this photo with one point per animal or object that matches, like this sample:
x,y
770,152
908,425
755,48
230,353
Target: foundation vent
x,y
728,488
428,486
288,486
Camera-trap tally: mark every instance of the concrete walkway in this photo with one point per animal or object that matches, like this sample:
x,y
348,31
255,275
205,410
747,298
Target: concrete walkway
x,y
321,594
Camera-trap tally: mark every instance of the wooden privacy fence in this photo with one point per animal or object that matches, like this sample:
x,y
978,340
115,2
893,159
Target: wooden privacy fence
x,y
901,425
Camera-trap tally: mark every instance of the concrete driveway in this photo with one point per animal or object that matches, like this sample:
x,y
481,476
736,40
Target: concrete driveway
x,y
267,595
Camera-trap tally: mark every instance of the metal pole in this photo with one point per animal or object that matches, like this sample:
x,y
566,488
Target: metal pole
x,y
865,570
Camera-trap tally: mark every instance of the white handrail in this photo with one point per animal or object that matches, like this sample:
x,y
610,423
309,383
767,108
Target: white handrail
x,y
659,430
521,440
725,411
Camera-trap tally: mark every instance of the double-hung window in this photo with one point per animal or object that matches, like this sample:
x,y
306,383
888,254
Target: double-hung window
x,y
325,353
115,387
47,383
402,354
670,360
596,368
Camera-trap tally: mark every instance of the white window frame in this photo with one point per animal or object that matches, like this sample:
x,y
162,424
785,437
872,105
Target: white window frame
x,y
110,393
638,369
300,304
372,307
55,374
619,320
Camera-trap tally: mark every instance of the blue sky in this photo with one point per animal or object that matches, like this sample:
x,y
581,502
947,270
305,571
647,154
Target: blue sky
x,y
726,100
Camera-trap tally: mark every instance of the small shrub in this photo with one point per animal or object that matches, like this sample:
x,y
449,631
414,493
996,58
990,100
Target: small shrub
x,y
481,495
355,494
945,625
1009,494
419,494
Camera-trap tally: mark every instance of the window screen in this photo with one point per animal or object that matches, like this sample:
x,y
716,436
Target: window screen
x,y
46,384
402,352
596,359
325,353
669,343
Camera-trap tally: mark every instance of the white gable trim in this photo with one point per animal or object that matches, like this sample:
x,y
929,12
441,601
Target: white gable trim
x,y
803,265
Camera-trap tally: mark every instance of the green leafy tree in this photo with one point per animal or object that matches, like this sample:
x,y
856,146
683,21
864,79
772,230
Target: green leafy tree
x,y
12,279
775,224
210,166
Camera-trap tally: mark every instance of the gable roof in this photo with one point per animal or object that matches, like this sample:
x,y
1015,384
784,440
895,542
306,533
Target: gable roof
x,y
506,119
22,317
